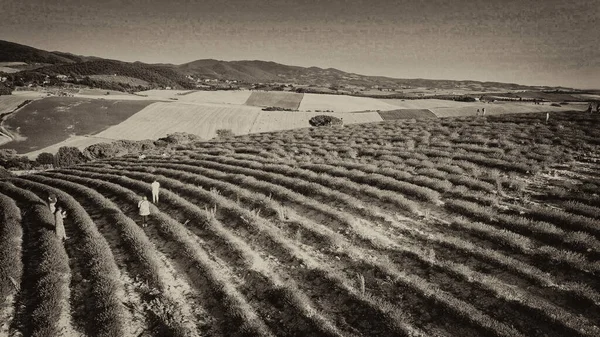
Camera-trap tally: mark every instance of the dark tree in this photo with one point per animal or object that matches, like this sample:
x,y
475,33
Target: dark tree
x,y
324,120
68,156
45,158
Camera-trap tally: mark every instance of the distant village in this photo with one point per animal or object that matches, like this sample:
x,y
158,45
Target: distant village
x,y
65,85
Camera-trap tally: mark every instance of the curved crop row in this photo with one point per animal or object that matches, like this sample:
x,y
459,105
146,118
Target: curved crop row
x,y
11,266
581,240
461,245
238,308
46,270
301,179
176,321
252,259
489,255
370,237
105,288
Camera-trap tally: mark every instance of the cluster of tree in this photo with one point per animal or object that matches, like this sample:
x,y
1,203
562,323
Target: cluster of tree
x,y
465,99
5,89
325,120
224,133
157,76
68,156
92,83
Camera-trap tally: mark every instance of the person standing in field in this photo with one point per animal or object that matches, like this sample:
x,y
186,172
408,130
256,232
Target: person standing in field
x,y
477,112
483,111
547,117
59,225
144,210
52,203
155,188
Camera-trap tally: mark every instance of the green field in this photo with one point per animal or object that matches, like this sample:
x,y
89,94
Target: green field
x,y
51,120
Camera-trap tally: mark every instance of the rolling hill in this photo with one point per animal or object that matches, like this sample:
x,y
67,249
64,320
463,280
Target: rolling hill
x,y
14,52
41,63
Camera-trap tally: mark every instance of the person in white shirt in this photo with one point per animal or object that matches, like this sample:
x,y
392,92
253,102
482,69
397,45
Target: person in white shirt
x,y
59,225
144,207
155,188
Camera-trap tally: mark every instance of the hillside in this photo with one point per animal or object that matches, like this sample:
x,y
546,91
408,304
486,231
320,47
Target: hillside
x,y
464,227
174,76
156,75
14,52
262,71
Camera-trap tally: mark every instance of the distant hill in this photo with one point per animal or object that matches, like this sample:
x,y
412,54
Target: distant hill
x,y
158,75
268,72
40,63
14,52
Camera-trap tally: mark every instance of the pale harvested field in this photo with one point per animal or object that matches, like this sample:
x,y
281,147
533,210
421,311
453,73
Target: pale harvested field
x,y
8,103
159,119
280,99
589,96
498,109
427,103
220,97
29,94
80,142
287,120
339,103
11,64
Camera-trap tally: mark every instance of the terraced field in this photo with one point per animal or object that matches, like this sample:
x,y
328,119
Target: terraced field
x,y
483,226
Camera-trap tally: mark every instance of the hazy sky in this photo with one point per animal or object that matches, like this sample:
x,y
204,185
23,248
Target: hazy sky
x,y
538,42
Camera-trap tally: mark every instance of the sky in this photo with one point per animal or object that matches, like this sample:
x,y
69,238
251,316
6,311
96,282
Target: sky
x,y
533,42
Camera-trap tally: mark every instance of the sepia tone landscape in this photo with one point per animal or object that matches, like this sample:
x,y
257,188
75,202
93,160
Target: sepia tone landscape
x,y
206,169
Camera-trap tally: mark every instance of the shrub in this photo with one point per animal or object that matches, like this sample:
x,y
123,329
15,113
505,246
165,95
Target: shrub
x,y
182,138
45,158
224,134
69,156
324,120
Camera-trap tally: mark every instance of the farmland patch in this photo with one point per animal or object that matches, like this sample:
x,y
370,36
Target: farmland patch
x,y
279,99
159,119
496,109
340,103
406,114
51,120
426,103
8,103
220,97
286,120
430,227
